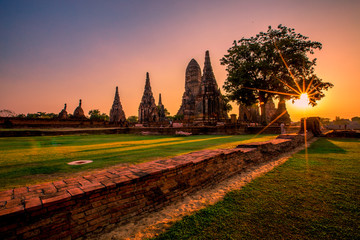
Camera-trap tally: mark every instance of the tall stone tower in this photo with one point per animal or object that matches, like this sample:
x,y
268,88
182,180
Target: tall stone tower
x,y
148,111
117,114
79,112
209,105
192,89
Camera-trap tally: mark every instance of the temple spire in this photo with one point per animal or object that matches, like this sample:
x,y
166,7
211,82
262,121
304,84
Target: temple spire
x,y
147,83
117,114
160,103
148,111
208,74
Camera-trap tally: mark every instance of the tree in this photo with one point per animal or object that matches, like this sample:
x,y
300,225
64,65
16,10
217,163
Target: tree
x,y
42,115
97,116
355,119
272,64
132,119
325,121
7,113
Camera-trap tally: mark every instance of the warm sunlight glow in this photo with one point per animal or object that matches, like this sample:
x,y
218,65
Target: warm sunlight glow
x,y
303,101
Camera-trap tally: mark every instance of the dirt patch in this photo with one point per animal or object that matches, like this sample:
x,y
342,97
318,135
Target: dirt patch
x,y
154,223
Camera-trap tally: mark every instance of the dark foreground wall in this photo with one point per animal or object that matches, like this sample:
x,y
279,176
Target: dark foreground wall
x,y
86,205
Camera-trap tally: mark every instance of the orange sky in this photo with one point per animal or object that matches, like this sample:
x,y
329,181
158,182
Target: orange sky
x,y
57,52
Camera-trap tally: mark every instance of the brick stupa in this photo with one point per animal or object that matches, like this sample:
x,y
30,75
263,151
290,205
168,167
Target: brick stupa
x,y
117,114
148,111
63,114
79,112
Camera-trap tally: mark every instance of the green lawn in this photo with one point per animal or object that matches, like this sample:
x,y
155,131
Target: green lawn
x,y
314,199
29,160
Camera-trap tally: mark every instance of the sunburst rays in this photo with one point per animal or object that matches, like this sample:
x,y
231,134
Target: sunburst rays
x,y
304,93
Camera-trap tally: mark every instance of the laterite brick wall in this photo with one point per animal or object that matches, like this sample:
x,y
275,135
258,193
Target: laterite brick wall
x,y
76,207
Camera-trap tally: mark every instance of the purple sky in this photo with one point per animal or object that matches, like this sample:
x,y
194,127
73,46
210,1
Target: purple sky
x,y
56,52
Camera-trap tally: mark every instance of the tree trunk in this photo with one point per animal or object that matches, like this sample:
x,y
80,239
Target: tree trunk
x,y
263,110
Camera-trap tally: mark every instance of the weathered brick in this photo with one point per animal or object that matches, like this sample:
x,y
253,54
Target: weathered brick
x,y
6,195
56,199
91,217
75,192
64,204
77,216
33,204
59,184
91,189
108,183
8,228
34,225
49,188
39,212
14,203
31,234
99,220
20,191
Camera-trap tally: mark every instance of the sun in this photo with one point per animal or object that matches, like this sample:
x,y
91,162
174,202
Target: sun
x,y
302,101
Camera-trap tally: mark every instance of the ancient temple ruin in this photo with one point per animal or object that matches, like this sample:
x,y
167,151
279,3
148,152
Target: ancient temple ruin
x,y
117,114
192,89
148,111
281,110
79,112
202,100
161,110
251,114
270,110
63,114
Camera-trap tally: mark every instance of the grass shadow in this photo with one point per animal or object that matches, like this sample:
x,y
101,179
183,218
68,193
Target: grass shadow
x,y
325,146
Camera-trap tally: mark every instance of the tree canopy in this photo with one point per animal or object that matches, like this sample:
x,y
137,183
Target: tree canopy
x,y
272,64
7,113
96,115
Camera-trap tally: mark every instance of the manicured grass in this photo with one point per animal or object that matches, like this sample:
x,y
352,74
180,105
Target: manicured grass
x,y
318,198
29,160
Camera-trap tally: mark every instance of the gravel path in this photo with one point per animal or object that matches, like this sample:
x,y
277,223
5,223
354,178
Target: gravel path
x,y
156,222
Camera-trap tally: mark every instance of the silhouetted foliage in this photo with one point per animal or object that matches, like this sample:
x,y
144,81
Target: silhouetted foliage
x,y
42,115
176,117
96,115
132,119
355,119
7,113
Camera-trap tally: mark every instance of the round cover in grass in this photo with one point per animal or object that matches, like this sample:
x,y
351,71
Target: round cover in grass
x,y
80,162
